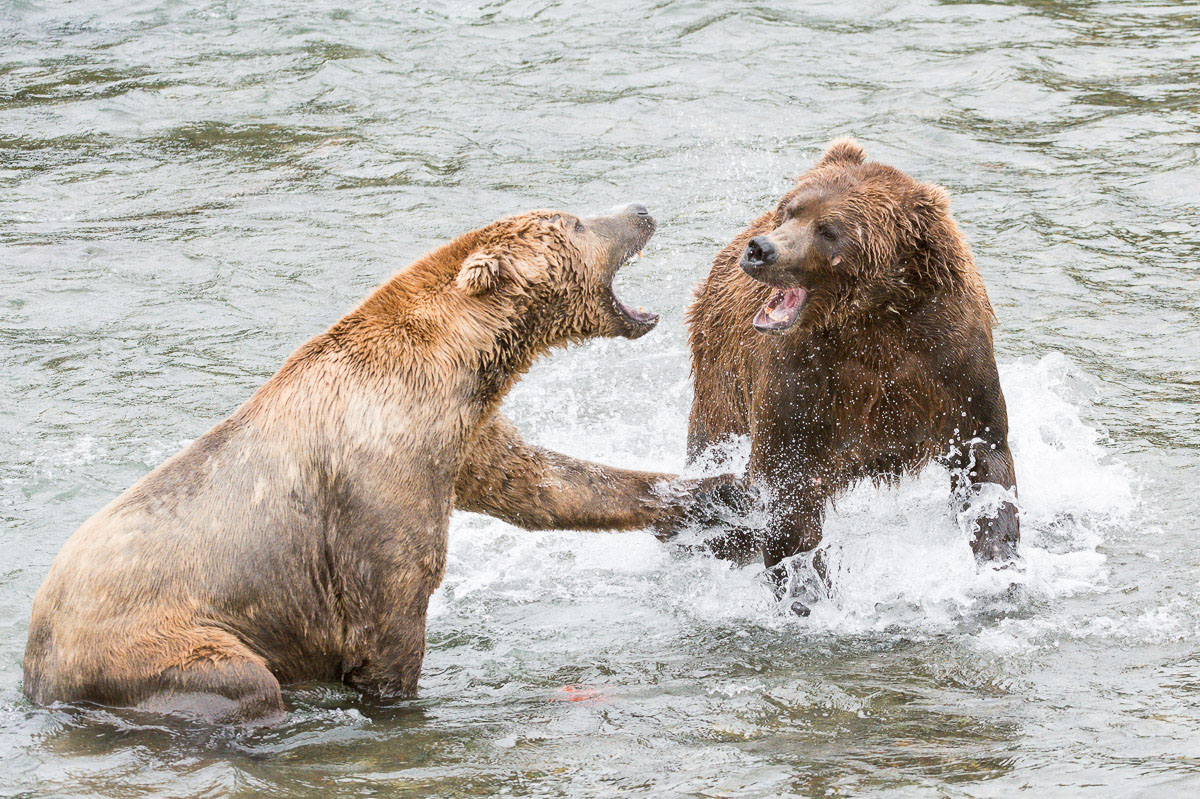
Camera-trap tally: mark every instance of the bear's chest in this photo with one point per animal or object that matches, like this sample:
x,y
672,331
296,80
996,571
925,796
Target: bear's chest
x,y
853,412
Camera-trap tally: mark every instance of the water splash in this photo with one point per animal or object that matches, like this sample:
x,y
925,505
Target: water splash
x,y
896,558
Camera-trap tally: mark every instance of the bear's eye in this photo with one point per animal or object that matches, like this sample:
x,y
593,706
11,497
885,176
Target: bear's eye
x,y
578,226
827,233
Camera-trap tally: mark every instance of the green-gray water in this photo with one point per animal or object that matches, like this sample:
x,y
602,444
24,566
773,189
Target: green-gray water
x,y
191,189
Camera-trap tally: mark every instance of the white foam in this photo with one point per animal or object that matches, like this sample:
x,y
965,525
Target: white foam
x,y
898,558
55,463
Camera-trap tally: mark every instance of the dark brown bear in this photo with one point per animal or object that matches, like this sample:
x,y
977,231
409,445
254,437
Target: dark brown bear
x,y
847,332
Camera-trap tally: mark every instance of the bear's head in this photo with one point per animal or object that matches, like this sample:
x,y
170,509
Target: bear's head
x,y
553,272
853,239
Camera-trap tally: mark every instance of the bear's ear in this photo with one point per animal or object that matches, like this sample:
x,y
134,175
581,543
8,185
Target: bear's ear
x,y
932,200
843,151
941,252
483,271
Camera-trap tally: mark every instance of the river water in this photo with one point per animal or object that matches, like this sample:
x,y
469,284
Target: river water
x,y
192,189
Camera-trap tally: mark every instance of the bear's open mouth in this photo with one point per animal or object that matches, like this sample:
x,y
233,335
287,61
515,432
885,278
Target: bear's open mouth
x,y
781,311
639,321
639,316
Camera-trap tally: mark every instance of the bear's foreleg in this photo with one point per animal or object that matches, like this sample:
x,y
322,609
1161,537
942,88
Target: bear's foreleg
x,y
538,489
794,527
392,664
995,537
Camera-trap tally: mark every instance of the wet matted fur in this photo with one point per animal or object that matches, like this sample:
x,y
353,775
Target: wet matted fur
x,y
887,364
300,539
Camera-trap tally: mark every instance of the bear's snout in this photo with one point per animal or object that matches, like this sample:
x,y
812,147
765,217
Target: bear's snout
x,y
760,252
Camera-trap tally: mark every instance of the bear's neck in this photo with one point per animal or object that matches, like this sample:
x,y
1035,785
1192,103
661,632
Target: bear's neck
x,y
495,369
416,337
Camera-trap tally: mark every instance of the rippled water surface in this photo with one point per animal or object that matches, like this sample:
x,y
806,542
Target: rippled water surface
x,y
188,190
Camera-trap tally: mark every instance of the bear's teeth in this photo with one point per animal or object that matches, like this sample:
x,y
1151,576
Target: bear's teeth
x,y
778,314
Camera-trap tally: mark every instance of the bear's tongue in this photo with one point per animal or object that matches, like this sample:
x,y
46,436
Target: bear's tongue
x,y
781,311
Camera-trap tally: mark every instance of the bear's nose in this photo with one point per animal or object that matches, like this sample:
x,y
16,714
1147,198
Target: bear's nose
x,y
637,209
759,252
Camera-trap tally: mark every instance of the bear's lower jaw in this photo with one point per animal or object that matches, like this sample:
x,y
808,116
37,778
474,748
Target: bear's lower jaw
x,y
781,311
637,323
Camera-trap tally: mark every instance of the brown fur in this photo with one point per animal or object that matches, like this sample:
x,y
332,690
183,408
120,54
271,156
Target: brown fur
x,y
888,367
300,539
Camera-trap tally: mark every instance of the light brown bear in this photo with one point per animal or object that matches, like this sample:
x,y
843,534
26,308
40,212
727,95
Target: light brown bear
x,y
300,539
848,333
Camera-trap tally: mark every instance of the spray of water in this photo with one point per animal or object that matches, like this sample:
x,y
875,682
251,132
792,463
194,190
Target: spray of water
x,y
896,558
